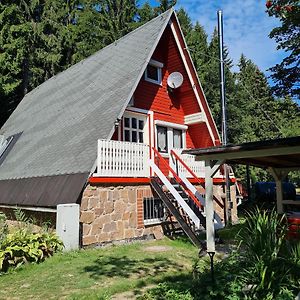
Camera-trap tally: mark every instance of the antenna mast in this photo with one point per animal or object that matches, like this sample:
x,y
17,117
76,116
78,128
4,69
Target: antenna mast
x,y
224,116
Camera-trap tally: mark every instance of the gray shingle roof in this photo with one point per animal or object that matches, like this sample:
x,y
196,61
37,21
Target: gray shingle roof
x,y
62,119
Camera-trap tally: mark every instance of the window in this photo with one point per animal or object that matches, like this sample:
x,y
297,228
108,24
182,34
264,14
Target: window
x,y
162,139
153,72
177,138
169,137
134,129
7,144
154,210
4,143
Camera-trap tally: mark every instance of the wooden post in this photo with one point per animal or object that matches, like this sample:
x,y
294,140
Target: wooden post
x,y
279,195
279,176
209,207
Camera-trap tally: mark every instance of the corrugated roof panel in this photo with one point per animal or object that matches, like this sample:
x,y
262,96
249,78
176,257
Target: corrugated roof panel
x,y
45,191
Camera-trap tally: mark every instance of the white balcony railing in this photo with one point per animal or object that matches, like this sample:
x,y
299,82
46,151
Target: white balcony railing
x,y
198,167
122,159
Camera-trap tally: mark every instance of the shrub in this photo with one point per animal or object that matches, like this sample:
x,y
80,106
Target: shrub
x,y
271,262
164,292
22,246
226,285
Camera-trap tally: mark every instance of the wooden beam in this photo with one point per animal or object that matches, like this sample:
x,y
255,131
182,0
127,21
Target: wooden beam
x,y
247,154
278,175
291,202
95,180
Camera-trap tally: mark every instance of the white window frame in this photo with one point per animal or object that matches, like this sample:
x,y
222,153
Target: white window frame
x,y
4,144
170,126
145,131
158,65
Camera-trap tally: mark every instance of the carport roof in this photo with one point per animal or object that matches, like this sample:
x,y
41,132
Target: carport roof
x,y
281,153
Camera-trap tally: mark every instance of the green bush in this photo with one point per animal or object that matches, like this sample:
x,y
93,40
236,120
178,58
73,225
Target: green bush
x,y
227,285
164,292
271,262
266,266
22,247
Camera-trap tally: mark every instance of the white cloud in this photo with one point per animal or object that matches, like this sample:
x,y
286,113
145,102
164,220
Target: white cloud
x,y
246,27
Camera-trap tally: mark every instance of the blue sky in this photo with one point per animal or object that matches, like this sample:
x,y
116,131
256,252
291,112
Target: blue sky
x,y
246,27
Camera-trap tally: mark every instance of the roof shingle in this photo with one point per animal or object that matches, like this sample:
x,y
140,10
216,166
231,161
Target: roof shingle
x,y
62,119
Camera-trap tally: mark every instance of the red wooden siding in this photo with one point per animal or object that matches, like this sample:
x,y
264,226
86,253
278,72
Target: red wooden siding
x,y
115,135
200,136
172,107
199,90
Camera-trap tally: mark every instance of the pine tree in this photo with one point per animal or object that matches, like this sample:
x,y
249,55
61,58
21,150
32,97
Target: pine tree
x,y
287,35
146,13
164,5
211,81
197,41
40,38
185,22
118,18
18,33
257,110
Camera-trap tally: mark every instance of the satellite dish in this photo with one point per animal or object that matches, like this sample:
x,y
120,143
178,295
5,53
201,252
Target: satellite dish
x,y
175,80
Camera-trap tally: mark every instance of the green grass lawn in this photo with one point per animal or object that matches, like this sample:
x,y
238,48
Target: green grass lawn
x,y
100,273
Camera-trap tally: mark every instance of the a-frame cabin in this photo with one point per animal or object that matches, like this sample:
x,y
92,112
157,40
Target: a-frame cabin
x,y
108,134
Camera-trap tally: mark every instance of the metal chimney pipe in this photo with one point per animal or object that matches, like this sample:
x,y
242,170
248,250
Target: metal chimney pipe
x,y
228,217
222,77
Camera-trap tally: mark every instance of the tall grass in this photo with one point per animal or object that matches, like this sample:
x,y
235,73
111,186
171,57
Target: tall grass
x,y
271,262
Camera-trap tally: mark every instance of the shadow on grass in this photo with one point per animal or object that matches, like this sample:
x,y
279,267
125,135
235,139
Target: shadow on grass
x,y
126,267
199,285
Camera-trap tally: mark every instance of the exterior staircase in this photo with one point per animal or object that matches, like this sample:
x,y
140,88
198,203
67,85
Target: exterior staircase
x,y
181,198
179,214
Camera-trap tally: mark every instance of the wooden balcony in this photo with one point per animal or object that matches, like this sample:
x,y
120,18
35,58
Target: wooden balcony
x,y
125,159
122,159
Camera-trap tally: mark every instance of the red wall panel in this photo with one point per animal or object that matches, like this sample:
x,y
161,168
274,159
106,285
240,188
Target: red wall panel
x,y
168,106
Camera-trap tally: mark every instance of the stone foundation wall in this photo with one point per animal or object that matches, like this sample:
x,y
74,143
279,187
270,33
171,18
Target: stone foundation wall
x,y
114,213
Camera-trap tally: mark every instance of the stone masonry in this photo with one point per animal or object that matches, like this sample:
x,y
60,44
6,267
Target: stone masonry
x,y
114,213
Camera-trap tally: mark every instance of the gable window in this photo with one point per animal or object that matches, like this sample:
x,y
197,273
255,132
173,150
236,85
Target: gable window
x,y
153,72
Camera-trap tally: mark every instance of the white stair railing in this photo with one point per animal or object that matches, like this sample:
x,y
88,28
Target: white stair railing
x,y
182,173
175,194
217,219
122,159
196,166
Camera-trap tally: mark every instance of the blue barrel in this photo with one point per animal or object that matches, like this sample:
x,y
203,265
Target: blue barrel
x,y
266,191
